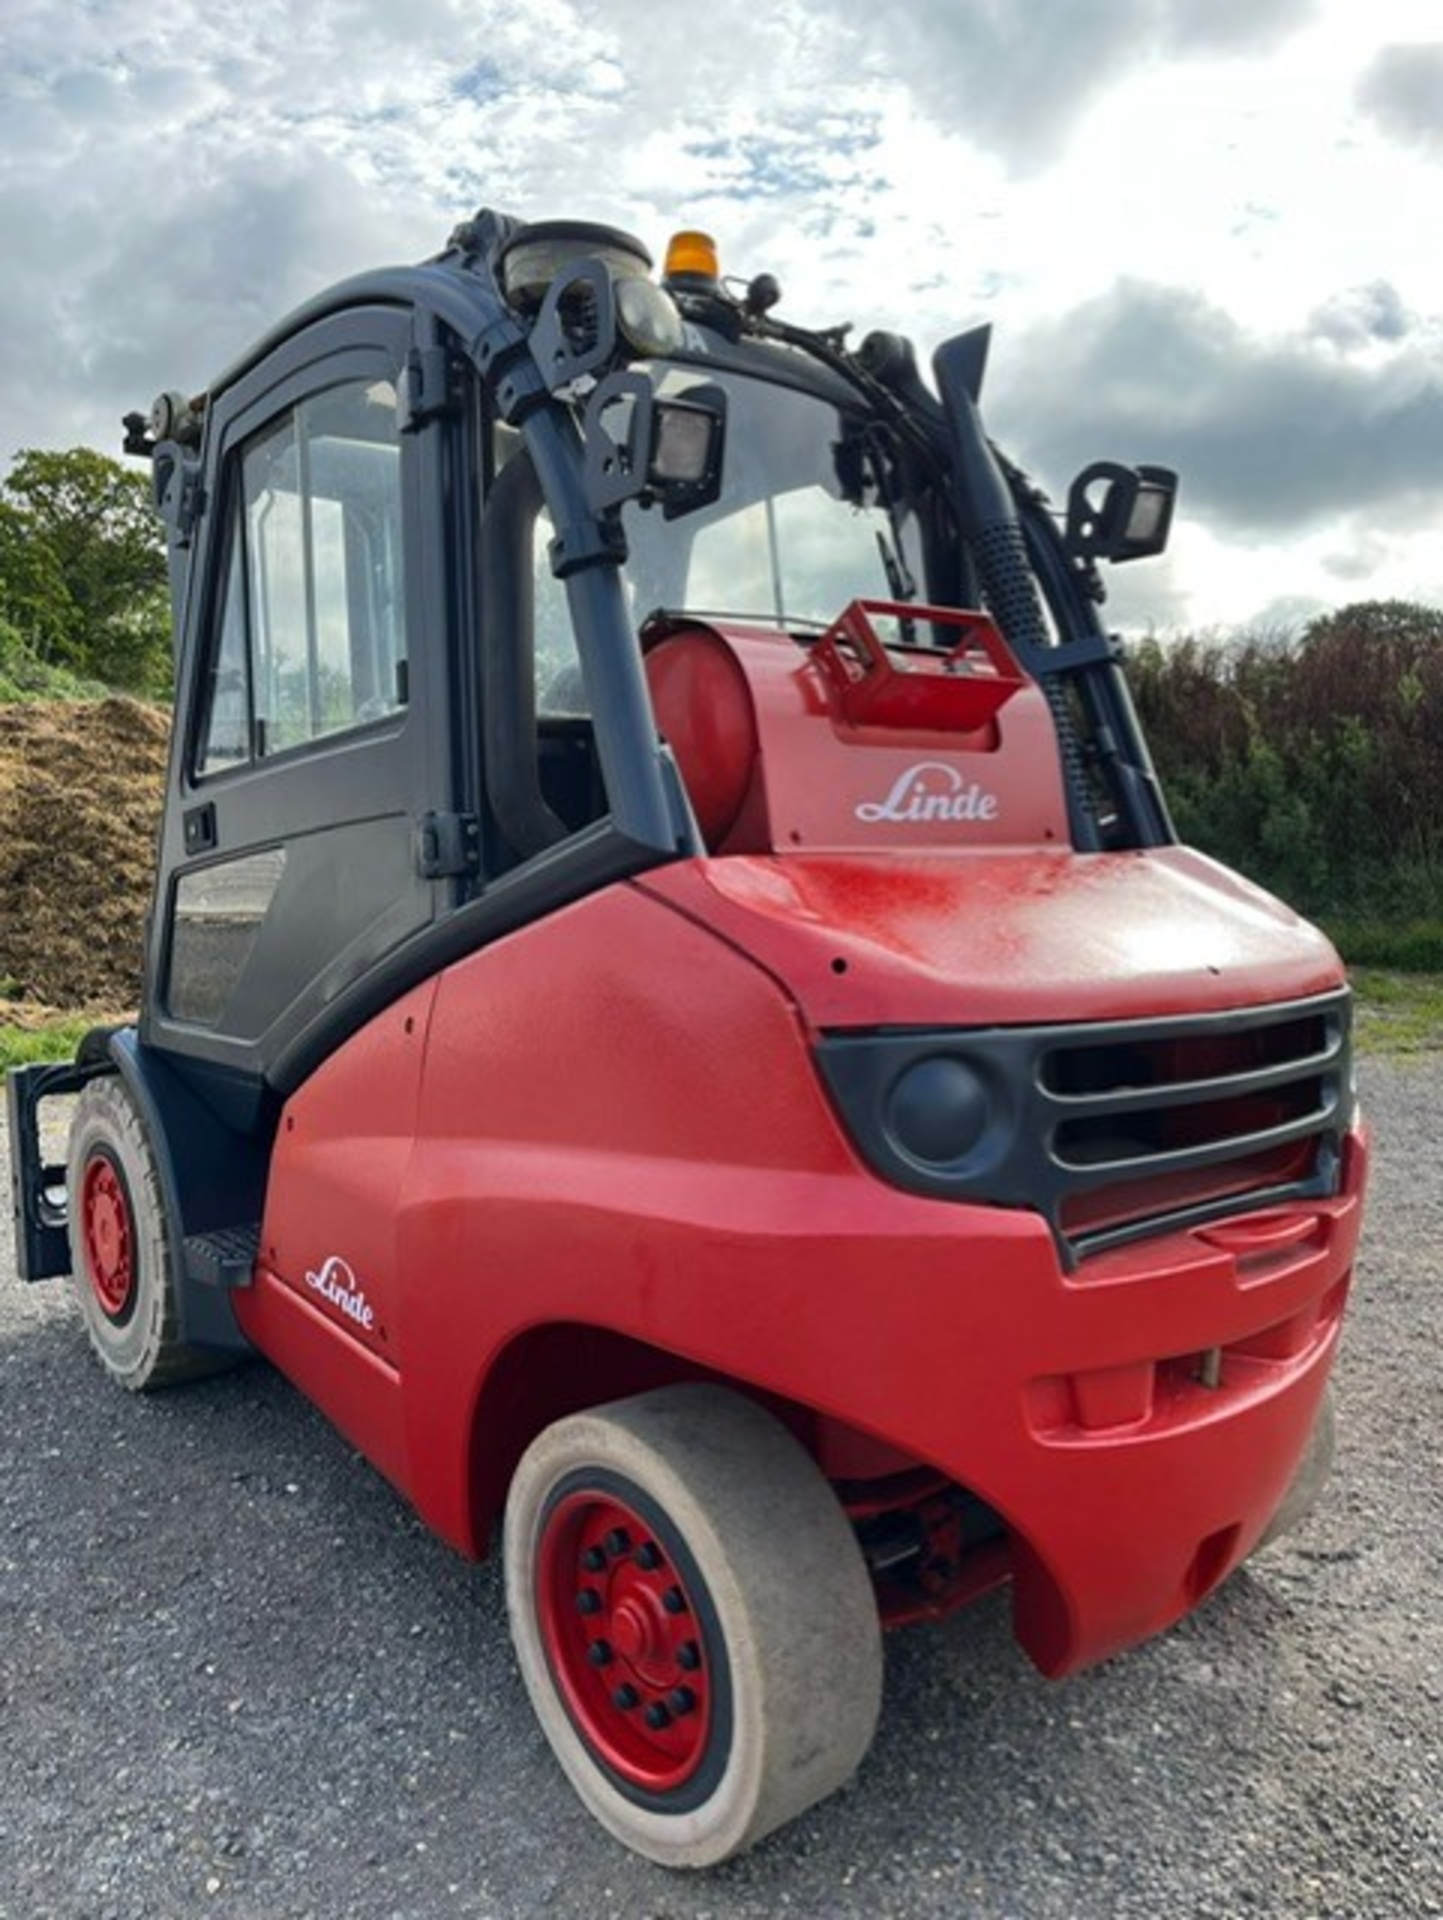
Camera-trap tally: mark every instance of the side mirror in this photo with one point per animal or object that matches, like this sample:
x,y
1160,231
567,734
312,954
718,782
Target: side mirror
x,y
1119,513
641,447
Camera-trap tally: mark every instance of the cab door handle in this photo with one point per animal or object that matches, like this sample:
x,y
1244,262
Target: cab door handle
x,y
198,824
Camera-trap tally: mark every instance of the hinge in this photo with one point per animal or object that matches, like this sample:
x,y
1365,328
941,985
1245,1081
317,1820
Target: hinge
x,y
425,389
447,845
180,498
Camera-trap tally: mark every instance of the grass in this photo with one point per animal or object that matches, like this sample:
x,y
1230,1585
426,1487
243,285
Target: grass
x,y
50,1039
25,677
1398,1013
1411,944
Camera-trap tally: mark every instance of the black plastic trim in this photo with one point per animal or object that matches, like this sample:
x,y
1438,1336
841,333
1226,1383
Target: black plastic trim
x,y
596,857
1019,1160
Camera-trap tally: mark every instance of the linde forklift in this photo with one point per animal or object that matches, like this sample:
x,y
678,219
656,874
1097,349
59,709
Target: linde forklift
x,y
674,1012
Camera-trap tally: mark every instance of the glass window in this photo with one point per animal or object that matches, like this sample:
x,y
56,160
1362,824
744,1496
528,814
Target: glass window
x,y
810,516
560,689
226,733
312,637
219,912
802,524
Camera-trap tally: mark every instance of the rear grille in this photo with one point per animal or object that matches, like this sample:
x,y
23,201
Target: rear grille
x,y
1171,1123
1120,1130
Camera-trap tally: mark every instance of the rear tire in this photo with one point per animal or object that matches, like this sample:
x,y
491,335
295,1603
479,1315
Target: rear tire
x,y
693,1619
122,1262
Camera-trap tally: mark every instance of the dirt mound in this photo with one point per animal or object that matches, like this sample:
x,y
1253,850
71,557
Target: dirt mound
x,y
80,799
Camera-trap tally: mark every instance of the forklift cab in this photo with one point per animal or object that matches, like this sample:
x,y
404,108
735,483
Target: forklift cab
x,y
408,599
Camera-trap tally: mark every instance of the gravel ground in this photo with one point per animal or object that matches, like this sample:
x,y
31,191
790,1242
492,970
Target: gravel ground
x,y
237,1678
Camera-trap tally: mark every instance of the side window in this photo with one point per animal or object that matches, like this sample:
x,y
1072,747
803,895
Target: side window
x,y
226,735
311,637
560,689
219,912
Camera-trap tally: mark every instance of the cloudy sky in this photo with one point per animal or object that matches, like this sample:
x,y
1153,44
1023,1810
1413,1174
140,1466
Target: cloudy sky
x,y
1206,231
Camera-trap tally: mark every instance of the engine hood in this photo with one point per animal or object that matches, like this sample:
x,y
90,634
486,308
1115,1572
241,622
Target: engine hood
x,y
1002,938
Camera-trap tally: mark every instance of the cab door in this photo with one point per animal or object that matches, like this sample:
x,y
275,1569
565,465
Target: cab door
x,y
313,780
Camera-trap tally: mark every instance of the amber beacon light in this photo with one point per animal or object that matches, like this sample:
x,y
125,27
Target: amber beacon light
x,y
691,260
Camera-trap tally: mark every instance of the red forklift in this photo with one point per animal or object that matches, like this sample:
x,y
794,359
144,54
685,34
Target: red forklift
x,y
675,1013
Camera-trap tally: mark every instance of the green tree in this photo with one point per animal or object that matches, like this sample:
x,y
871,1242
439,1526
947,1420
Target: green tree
x,y
82,568
1315,764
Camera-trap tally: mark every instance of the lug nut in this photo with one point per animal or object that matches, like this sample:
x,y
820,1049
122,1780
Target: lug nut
x,y
617,1541
593,1559
599,1653
647,1555
681,1700
626,1697
588,1601
657,1716
674,1600
688,1655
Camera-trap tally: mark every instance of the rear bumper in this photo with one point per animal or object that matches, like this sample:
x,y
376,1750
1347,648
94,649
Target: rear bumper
x,y
1125,1525
1136,1422
1141,1419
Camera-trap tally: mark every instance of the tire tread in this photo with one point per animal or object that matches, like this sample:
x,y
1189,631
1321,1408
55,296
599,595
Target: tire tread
x,y
106,1115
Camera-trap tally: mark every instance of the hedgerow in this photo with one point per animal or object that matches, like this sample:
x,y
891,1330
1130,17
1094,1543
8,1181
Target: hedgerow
x,y
1315,765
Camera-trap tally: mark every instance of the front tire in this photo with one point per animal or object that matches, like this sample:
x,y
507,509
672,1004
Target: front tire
x,y
693,1619
122,1262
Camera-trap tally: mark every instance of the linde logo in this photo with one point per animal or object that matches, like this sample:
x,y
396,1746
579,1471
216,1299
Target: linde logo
x,y
931,791
336,1282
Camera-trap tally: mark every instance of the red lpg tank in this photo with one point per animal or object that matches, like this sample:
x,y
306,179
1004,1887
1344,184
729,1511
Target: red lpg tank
x,y
844,744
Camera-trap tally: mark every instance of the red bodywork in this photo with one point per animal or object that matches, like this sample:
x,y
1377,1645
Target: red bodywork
x,y
598,1155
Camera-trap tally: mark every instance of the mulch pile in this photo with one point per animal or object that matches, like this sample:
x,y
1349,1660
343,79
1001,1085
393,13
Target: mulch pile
x,y
80,799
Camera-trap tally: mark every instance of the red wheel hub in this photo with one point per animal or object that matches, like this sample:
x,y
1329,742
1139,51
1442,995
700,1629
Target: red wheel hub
x,y
624,1641
109,1235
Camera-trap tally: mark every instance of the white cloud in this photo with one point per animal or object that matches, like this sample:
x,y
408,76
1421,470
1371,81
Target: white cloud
x,y
1194,221
1402,90
1271,433
1363,318
1019,80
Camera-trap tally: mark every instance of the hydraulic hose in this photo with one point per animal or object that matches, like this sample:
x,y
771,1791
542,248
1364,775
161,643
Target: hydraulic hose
x,y
988,518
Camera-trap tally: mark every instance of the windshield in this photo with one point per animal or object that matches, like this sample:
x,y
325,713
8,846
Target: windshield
x,y
808,519
801,527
